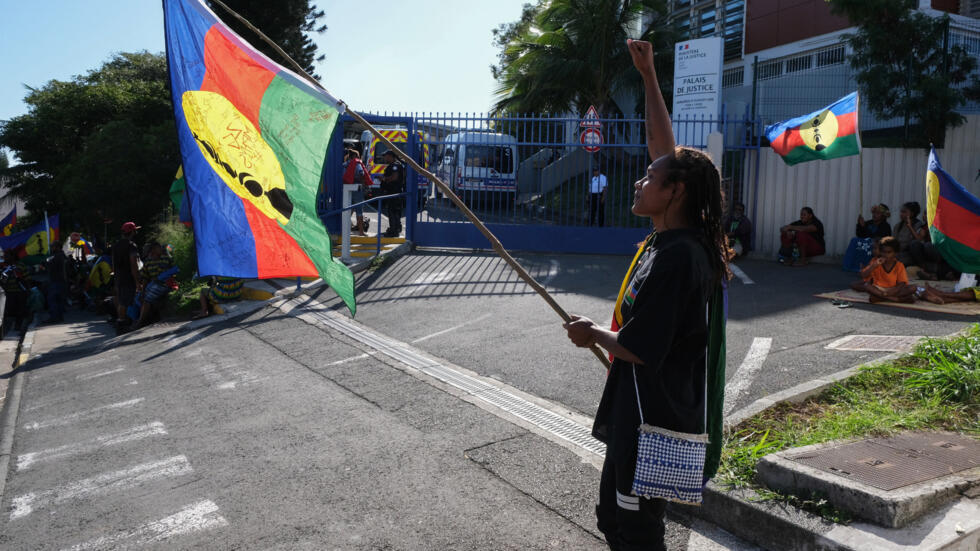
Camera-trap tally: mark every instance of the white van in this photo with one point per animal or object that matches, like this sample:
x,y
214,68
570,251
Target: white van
x,y
479,161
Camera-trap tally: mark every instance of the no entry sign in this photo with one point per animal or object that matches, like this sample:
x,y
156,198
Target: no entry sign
x,y
591,139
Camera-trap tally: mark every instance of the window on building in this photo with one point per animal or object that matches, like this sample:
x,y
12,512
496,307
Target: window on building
x,y
799,63
682,27
769,69
707,23
830,56
733,77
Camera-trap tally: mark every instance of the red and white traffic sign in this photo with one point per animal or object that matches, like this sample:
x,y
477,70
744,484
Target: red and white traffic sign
x,y
591,139
591,119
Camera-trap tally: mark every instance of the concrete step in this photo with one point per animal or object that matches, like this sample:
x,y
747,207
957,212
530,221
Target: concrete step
x,y
889,481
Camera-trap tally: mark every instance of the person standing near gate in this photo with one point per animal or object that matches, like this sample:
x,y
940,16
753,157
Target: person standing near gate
x,y
393,181
664,373
597,197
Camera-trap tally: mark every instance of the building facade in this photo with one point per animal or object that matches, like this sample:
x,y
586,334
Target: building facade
x,y
784,58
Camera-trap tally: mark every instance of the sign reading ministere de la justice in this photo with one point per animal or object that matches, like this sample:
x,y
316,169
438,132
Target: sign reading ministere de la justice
x,y
697,87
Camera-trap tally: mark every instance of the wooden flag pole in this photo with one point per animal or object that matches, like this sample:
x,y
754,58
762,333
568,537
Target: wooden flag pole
x,y
494,242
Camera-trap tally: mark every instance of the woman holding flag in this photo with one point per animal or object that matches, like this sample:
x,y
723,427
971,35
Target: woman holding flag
x,y
663,369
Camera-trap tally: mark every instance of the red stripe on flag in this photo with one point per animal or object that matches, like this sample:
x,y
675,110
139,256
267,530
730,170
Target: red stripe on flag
x,y
957,223
846,124
276,252
245,86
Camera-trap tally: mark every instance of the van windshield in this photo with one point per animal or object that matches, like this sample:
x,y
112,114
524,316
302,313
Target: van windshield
x,y
499,158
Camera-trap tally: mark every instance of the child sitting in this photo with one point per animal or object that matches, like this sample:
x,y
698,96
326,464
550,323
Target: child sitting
x,y
885,277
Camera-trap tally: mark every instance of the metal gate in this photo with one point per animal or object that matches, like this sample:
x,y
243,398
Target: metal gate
x,y
528,177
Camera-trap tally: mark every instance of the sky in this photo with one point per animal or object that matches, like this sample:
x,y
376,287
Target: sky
x,y
409,55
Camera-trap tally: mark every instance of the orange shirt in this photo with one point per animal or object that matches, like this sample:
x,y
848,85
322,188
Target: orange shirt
x,y
886,279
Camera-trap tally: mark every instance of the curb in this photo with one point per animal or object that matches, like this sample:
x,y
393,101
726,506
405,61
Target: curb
x,y
769,524
11,406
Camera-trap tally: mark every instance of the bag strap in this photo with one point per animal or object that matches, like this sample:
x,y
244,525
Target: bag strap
x,y
637,387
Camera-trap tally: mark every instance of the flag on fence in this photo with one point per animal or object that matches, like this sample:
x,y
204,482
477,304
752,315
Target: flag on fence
x,y
953,215
827,133
7,224
32,240
253,137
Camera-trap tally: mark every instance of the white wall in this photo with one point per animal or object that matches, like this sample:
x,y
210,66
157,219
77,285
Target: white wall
x,y
831,188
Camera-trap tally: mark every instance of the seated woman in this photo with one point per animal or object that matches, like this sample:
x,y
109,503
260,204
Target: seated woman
x,y
886,280
859,250
801,240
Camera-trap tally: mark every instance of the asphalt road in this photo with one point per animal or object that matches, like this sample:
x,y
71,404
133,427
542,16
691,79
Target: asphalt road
x,y
285,431
473,310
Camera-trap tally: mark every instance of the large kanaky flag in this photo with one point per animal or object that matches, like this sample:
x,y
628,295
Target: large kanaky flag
x,y
954,218
253,137
827,133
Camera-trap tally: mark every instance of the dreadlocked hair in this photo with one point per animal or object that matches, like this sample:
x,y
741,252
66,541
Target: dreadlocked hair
x,y
704,204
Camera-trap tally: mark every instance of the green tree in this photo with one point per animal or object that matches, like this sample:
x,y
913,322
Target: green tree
x,y
906,67
568,54
102,141
288,23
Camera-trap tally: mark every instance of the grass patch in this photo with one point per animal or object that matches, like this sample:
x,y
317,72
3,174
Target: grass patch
x,y
937,387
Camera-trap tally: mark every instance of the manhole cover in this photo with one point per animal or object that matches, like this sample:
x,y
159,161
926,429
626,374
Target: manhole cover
x,y
892,463
874,343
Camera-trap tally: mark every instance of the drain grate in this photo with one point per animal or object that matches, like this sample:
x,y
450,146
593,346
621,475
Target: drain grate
x,y
891,463
530,412
874,343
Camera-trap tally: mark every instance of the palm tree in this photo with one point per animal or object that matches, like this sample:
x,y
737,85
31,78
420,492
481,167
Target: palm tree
x,y
565,55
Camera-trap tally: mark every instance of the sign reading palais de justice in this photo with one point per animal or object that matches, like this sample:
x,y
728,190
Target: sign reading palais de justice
x,y
697,87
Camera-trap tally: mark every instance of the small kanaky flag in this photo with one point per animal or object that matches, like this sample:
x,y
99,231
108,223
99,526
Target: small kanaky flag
x,y
8,222
827,133
954,219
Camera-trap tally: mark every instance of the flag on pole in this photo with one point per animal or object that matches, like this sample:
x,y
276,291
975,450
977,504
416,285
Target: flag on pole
x,y
253,137
7,224
32,241
827,133
953,215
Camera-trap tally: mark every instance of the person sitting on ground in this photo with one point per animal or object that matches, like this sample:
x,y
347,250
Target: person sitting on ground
x,y
909,230
875,253
888,280
859,250
222,289
801,240
154,291
938,296
738,228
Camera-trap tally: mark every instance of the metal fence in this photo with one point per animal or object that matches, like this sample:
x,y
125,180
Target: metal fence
x,y
528,177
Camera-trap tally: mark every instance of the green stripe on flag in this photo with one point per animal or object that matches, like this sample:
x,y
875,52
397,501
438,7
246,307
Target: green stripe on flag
x,y
297,127
961,257
842,147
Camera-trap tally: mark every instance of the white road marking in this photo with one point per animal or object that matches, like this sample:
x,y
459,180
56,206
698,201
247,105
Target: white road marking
x,y
101,484
427,279
196,517
100,374
26,460
352,358
745,375
552,272
741,275
553,421
453,328
222,373
69,419
85,363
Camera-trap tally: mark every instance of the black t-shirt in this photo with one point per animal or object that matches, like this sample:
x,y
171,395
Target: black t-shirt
x,y
665,324
398,185
121,252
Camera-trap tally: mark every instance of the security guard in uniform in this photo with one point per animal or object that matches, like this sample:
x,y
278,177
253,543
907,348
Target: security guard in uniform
x,y
393,181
